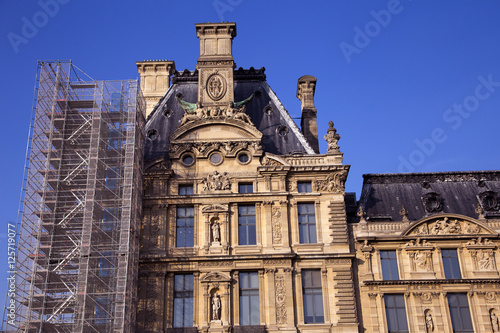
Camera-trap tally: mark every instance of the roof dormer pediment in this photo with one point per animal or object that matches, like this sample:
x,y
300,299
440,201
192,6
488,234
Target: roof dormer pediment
x,y
440,225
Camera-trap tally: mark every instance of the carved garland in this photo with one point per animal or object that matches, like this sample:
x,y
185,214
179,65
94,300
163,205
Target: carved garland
x,y
280,300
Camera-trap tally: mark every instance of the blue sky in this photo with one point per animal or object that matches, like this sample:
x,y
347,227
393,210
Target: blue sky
x,y
410,85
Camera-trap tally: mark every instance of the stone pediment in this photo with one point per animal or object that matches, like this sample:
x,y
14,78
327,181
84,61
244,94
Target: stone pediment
x,y
448,225
159,164
216,130
215,208
215,277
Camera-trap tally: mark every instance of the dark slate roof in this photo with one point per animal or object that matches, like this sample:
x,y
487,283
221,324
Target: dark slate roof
x,y
246,82
383,195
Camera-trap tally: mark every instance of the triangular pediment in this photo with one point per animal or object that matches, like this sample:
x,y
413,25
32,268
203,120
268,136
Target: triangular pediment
x,y
448,225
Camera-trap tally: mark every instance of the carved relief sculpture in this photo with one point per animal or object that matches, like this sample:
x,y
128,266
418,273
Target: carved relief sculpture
x,y
276,225
483,259
421,261
196,111
334,182
216,182
280,300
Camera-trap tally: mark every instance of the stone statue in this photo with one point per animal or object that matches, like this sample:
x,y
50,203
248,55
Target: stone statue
x,y
216,307
429,323
332,137
495,327
216,232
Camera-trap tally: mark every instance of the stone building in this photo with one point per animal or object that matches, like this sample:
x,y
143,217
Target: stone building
x,y
245,225
427,252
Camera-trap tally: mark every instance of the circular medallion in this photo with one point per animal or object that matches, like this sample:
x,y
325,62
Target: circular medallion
x,y
216,86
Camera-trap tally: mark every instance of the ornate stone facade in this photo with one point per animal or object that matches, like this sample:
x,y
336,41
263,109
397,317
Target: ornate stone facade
x,y
247,228
222,210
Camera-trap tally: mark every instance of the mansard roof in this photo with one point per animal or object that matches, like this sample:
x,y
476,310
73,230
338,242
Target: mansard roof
x,y
265,111
425,194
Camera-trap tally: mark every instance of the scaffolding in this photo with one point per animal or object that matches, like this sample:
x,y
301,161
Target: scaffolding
x,y
78,247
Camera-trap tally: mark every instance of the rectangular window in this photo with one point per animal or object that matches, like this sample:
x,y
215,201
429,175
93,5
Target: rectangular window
x,y
460,313
307,223
185,227
247,233
450,264
101,310
249,299
304,187
313,297
186,189
245,188
183,300
389,265
396,313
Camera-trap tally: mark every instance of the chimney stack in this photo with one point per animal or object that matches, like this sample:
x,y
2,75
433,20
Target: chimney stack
x,y
216,63
155,80
306,86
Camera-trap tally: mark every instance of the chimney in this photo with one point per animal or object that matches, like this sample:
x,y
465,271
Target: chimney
x,y
306,87
216,63
155,80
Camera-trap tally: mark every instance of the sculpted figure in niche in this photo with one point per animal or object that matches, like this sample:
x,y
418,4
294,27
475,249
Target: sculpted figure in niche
x,y
483,260
216,307
429,323
421,260
216,231
495,325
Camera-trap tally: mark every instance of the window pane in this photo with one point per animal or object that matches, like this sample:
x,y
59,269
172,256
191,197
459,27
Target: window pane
x,y
185,189
245,188
304,187
249,298
460,313
183,300
307,223
395,313
450,264
312,296
247,233
389,265
185,227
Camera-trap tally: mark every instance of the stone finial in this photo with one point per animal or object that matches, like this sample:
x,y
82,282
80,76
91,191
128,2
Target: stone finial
x,y
361,213
332,137
480,211
404,213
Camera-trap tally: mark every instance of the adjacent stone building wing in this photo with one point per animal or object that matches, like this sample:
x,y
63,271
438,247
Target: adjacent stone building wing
x,y
423,194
